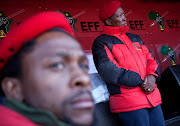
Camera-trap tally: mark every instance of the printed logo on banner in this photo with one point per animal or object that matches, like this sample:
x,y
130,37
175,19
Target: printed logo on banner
x,y
4,24
72,21
168,51
158,19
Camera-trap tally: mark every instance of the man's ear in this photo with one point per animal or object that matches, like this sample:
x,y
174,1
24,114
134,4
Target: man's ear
x,y
12,88
108,22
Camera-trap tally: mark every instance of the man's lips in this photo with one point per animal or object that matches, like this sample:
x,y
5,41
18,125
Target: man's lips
x,y
125,24
82,102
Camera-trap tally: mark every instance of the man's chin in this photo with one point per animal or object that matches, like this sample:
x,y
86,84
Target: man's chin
x,y
80,120
76,124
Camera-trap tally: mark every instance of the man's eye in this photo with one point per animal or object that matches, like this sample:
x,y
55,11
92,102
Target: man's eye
x,y
84,66
121,15
57,66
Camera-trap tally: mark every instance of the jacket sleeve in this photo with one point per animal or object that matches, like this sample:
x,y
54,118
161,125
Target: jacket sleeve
x,y
152,64
110,70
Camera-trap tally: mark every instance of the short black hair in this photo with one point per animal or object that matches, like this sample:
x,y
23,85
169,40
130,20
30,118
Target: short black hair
x,y
14,66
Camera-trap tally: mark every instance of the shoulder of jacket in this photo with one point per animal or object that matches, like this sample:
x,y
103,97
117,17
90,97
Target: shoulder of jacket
x,y
103,39
135,38
16,118
130,35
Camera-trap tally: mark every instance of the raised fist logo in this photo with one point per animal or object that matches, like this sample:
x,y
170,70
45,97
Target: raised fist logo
x,y
3,24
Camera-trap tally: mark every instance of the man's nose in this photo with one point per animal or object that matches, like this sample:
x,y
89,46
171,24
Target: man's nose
x,y
79,78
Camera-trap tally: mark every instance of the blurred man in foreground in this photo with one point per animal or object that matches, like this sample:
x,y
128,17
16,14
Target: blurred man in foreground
x,y
44,75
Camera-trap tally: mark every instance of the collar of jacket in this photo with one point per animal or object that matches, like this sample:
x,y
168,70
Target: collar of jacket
x,y
38,116
109,30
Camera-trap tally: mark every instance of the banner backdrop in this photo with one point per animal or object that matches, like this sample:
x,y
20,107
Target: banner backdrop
x,y
157,23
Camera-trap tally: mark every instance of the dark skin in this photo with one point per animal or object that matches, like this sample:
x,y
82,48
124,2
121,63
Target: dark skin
x,y
148,85
118,19
55,77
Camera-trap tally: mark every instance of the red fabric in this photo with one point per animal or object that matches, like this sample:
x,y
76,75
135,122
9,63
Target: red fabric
x,y
30,29
9,117
110,56
108,10
134,99
131,58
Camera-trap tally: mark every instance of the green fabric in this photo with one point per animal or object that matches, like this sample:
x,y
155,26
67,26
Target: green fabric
x,y
38,116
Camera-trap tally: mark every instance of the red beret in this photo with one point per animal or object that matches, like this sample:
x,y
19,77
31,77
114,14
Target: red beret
x,y
108,10
29,29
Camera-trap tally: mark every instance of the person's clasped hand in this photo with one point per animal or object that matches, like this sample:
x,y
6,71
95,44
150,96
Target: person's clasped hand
x,y
148,85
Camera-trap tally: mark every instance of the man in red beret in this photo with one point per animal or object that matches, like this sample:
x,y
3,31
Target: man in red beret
x,y
129,70
44,75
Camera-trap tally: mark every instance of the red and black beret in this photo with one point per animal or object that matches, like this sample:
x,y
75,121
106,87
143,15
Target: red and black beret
x,y
29,29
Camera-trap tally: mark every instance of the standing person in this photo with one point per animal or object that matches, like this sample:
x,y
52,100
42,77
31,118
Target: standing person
x,y
129,70
44,75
